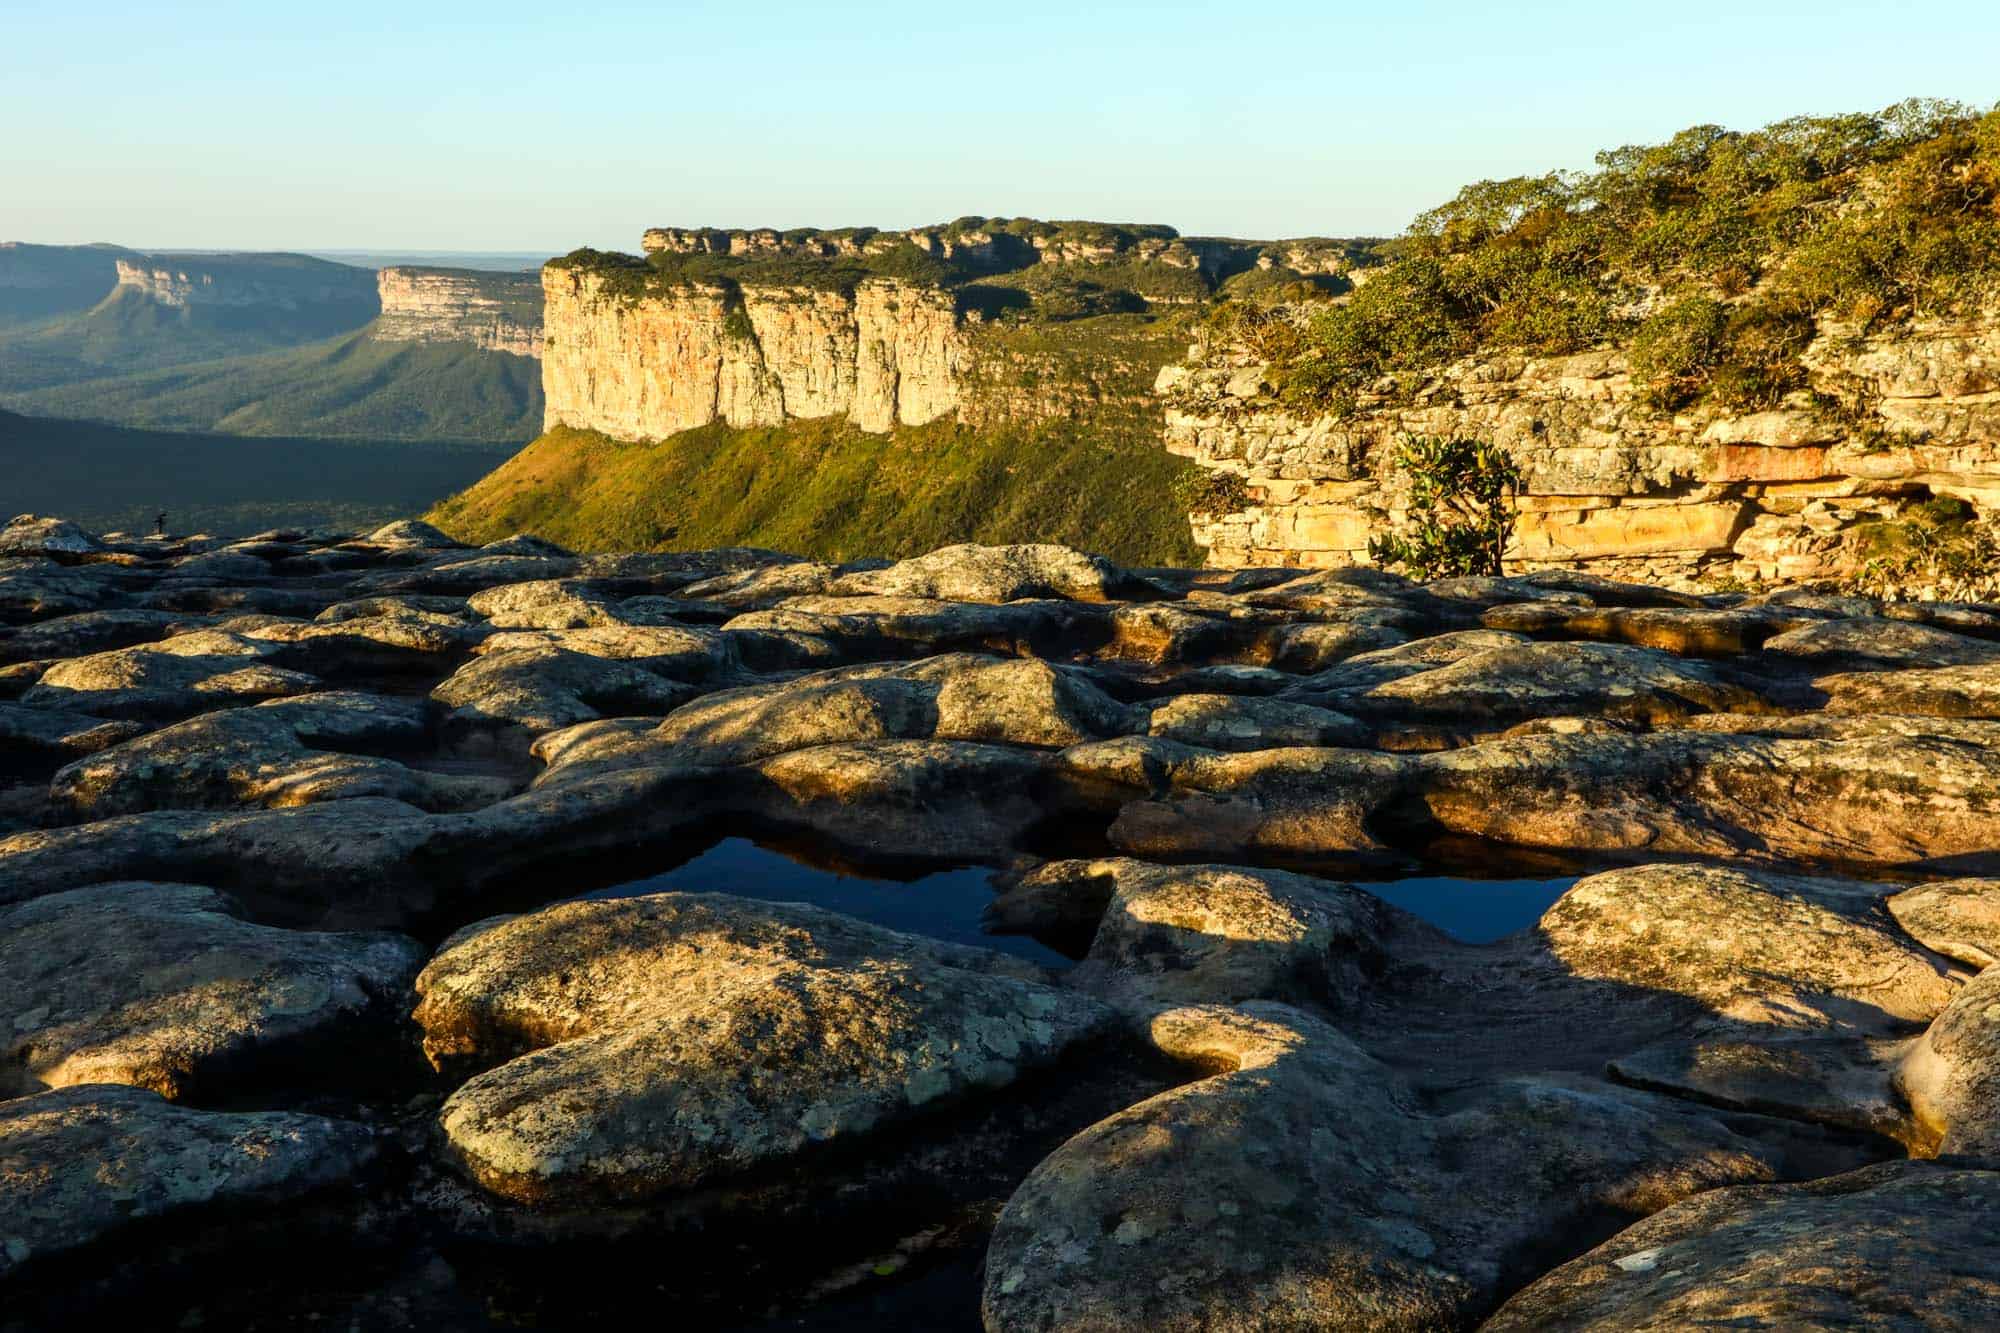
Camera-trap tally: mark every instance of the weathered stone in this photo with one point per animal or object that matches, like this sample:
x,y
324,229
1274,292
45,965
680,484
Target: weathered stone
x,y
1179,935
1757,946
284,753
536,689
161,986
1872,643
1951,691
44,734
1231,722
1959,918
86,632
1952,1074
56,538
678,1039
1000,574
1502,686
79,1166
173,678
1306,1187
1897,1246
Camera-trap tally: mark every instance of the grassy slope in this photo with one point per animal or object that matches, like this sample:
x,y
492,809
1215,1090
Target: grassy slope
x,y
110,477
828,489
128,332
349,387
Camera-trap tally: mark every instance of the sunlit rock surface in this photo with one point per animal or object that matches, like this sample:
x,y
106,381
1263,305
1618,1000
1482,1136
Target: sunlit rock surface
x,y
249,790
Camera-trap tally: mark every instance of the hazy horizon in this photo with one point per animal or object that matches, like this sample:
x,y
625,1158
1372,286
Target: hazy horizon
x,y
513,128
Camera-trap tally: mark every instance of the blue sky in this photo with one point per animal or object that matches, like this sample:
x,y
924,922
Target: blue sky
x,y
504,125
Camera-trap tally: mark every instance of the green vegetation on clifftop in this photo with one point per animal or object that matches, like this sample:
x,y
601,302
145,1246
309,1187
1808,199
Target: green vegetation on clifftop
x,y
1714,255
827,489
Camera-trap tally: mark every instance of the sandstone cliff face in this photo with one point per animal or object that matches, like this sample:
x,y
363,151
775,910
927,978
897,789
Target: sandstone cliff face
x,y
644,368
1611,484
500,312
285,282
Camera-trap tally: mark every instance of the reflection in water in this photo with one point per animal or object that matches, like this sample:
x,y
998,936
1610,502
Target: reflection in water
x,y
944,905
1475,910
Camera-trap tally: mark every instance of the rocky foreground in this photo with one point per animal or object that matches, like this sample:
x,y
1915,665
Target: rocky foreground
x,y
307,1013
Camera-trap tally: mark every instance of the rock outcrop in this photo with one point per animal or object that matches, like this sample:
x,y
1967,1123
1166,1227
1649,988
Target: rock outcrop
x,y
280,281
1700,498
499,312
648,366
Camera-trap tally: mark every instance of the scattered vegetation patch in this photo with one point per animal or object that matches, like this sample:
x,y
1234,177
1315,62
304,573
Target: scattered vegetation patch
x,y
1460,508
1938,543
1202,491
349,387
111,477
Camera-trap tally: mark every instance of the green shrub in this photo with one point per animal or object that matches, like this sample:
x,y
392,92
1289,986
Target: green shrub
x,y
1938,543
1460,510
1675,351
1201,491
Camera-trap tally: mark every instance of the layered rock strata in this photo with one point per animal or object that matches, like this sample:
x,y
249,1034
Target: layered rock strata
x,y
285,282
643,368
499,312
1612,484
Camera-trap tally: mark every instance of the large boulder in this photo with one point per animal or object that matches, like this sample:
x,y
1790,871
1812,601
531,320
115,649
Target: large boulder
x,y
186,674
163,986
1179,935
1489,691
528,690
1952,1074
674,1040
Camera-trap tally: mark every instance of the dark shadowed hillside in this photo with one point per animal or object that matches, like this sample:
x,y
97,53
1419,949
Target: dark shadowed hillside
x,y
110,477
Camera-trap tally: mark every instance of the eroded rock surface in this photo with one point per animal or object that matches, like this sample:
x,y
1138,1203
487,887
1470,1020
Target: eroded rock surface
x,y
165,987
675,1039
80,1165
1261,1095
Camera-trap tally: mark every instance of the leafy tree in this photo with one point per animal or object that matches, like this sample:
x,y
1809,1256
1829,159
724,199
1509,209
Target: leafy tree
x,y
1460,508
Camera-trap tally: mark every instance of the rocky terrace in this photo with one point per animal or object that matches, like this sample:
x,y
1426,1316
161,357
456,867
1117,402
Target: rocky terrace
x,y
370,953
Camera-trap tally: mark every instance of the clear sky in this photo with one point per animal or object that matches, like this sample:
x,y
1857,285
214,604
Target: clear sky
x,y
514,126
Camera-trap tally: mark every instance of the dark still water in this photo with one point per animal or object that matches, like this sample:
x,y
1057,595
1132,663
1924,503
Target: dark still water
x,y
1477,911
946,904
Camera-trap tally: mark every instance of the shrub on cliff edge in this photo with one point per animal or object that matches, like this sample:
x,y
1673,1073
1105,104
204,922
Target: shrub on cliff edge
x,y
1460,511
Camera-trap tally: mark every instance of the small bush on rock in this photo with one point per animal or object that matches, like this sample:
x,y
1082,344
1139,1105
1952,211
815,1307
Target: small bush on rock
x,y
1461,510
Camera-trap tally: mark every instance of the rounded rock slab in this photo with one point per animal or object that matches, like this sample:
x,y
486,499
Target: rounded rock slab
x,y
81,1165
1905,1245
677,1039
163,987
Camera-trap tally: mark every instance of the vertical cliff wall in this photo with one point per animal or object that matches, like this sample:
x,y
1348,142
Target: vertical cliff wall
x,y
649,365
278,282
1798,493
499,312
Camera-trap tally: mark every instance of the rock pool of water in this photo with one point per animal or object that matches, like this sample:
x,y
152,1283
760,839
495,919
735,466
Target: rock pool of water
x,y
947,904
1477,911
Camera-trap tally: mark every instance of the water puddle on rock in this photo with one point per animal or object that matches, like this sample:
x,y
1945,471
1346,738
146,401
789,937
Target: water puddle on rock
x,y
943,904
1477,911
